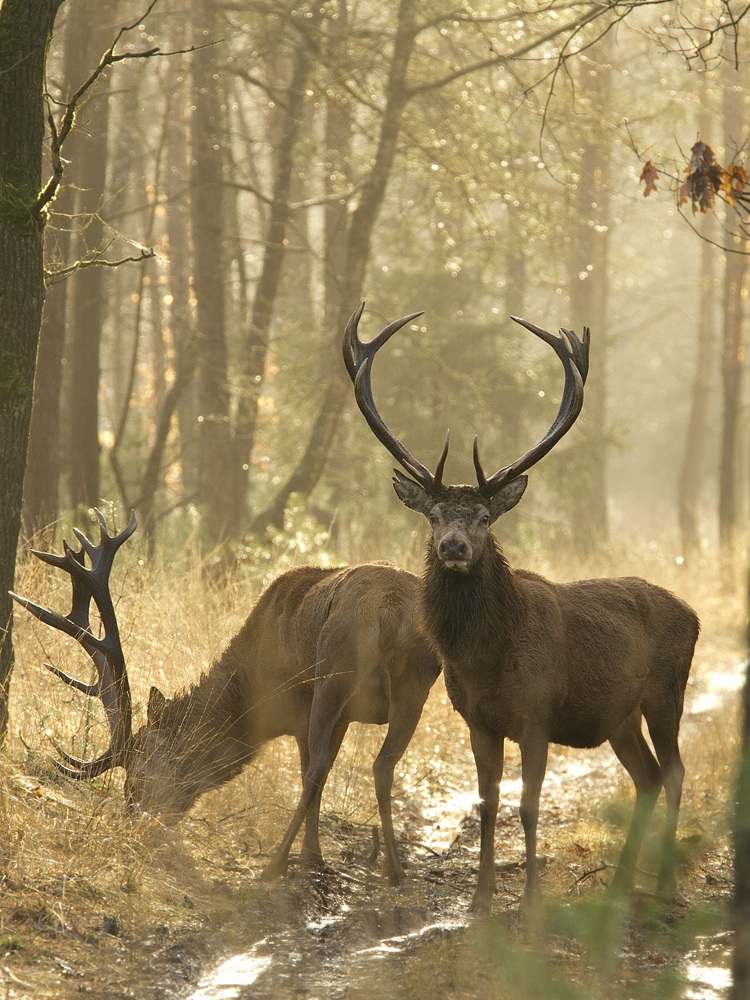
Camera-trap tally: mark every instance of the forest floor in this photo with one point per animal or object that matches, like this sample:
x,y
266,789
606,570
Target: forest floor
x,y
95,904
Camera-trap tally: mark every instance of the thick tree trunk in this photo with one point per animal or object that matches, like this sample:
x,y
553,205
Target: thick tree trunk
x,y
25,30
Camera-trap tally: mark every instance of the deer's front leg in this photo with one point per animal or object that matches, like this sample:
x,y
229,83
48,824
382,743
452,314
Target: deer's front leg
x,y
489,751
533,765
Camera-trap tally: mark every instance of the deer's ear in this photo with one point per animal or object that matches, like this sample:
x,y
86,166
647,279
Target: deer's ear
x,y
508,497
411,493
156,705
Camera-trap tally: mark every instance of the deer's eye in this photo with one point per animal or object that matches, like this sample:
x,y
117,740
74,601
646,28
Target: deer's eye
x,y
484,520
432,517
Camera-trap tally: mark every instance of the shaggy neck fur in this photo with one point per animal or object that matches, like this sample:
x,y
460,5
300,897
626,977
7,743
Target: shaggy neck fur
x,y
478,611
208,726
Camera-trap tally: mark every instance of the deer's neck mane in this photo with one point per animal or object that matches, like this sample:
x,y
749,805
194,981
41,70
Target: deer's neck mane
x,y
475,612
210,726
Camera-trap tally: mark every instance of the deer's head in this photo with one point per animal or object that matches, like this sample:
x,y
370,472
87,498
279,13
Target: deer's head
x,y
160,779
460,516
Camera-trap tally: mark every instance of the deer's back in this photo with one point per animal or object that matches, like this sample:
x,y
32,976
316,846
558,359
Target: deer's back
x,y
310,617
600,648
579,660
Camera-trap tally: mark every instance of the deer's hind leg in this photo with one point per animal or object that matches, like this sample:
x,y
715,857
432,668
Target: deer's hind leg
x,y
635,756
311,849
326,732
663,728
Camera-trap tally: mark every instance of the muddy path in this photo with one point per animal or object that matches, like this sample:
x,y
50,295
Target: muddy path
x,y
343,933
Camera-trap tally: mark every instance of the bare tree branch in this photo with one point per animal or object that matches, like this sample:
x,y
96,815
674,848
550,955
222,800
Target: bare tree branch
x,y
59,133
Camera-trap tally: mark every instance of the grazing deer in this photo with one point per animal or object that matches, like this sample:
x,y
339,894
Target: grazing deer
x,y
535,661
320,649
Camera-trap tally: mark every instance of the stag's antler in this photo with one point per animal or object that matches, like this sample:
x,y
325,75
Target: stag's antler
x,y
106,651
574,355
572,352
358,360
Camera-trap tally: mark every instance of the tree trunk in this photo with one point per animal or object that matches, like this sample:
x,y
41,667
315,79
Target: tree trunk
x,y
181,319
359,238
41,502
732,360
692,471
256,344
589,293
43,468
88,303
25,31
733,355
207,138
741,902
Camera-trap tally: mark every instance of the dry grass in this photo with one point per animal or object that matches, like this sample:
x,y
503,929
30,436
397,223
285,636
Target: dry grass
x,y
74,867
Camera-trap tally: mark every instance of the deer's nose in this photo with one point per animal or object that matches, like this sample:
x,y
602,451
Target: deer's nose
x,y
454,548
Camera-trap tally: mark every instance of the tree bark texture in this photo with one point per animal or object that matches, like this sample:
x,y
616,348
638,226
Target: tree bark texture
x,y
25,30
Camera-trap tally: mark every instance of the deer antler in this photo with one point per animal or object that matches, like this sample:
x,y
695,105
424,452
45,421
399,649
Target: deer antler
x,y
358,358
106,651
572,352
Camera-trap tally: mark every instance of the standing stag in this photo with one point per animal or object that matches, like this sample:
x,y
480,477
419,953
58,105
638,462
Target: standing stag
x,y
535,661
320,649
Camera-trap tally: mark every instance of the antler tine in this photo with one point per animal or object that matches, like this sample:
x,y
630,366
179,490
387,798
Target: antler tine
x,y
574,355
112,686
74,767
358,358
355,350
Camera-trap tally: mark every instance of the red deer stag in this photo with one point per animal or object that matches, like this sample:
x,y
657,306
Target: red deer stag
x,y
320,649
534,661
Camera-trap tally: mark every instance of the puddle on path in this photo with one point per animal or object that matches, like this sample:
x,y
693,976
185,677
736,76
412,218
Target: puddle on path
x,y
309,962
232,977
714,688
708,969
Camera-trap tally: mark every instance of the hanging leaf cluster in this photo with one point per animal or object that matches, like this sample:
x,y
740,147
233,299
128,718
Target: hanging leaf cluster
x,y
705,180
